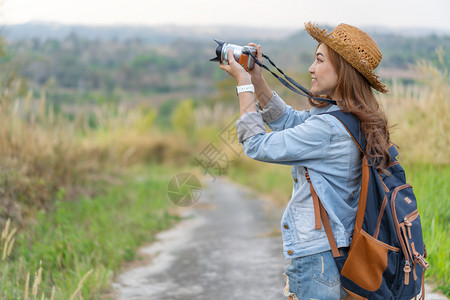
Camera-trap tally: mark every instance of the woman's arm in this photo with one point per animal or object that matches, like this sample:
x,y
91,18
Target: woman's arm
x,y
277,115
275,112
262,90
303,144
246,99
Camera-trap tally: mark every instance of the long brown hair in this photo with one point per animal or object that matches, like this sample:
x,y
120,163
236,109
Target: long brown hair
x,y
356,97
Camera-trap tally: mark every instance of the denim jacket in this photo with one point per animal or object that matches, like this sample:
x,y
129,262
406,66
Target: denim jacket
x,y
320,143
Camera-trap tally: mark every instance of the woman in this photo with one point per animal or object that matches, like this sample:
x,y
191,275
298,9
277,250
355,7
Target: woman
x,y
317,144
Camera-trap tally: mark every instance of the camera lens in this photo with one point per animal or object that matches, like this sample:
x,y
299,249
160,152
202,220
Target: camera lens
x,y
246,61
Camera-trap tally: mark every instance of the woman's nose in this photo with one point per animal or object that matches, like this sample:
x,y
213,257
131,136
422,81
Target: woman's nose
x,y
311,69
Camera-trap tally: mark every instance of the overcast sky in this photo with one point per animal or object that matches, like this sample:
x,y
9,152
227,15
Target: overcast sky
x,y
431,14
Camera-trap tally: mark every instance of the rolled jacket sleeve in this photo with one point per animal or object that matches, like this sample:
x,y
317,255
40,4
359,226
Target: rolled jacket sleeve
x,y
273,110
252,123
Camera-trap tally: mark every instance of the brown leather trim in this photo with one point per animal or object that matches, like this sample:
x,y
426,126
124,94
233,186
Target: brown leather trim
x,y
380,216
414,271
367,262
397,225
407,271
423,285
352,296
413,248
362,198
405,237
392,248
412,216
386,189
243,59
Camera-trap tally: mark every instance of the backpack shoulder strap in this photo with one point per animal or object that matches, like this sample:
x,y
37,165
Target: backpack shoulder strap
x,y
353,126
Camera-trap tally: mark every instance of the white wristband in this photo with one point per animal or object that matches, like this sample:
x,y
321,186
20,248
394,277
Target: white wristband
x,y
245,88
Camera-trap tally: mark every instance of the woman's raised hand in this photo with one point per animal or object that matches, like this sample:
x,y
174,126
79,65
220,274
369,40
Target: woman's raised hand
x,y
256,72
262,89
236,70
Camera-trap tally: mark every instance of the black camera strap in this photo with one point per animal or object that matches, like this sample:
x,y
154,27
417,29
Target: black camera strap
x,y
297,88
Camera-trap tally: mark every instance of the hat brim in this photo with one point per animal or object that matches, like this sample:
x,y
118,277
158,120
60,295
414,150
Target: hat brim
x,y
322,36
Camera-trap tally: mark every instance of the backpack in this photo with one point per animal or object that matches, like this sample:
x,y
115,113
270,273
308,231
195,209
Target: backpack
x,y
386,259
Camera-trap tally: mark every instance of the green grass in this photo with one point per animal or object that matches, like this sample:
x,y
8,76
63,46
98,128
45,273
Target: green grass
x,y
97,233
432,190
272,180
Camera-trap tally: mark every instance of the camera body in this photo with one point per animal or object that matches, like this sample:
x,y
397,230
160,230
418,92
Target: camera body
x,y
240,53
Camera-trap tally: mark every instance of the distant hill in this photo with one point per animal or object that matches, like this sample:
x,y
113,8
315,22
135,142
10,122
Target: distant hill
x,y
102,63
153,35
169,33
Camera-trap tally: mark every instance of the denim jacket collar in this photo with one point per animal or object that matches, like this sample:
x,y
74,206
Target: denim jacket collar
x,y
320,110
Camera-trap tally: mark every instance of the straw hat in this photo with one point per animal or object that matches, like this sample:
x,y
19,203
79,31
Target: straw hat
x,y
355,46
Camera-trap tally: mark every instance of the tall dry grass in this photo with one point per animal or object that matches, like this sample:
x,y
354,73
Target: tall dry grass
x,y
420,114
46,156
37,155
121,136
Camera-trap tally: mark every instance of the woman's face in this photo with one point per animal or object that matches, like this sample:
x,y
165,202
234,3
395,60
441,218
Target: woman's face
x,y
323,75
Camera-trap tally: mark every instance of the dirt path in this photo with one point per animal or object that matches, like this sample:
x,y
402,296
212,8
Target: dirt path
x,y
224,250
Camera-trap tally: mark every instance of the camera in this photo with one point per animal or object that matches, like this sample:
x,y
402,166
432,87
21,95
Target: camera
x,y
240,53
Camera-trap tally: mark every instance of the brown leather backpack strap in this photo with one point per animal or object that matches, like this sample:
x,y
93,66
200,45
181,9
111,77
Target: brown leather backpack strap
x,y
320,215
316,202
329,232
362,199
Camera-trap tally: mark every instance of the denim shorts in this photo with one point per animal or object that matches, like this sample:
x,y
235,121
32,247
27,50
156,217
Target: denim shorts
x,y
313,277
